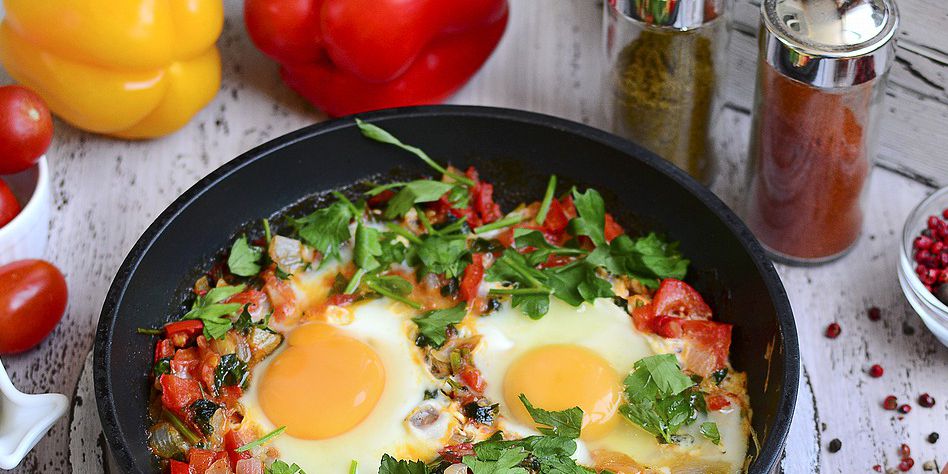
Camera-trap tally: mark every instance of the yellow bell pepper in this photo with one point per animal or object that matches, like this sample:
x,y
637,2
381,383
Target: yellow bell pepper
x,y
127,68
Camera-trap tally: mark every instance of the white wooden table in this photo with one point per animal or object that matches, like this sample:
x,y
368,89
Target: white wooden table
x,y
107,191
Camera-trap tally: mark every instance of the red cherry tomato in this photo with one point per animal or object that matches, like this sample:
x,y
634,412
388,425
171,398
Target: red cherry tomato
x,y
9,206
32,301
26,128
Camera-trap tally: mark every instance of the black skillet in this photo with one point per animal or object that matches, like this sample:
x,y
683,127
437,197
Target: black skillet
x,y
515,150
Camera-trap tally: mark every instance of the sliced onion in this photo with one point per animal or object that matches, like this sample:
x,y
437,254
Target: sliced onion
x,y
166,442
249,466
287,253
424,417
456,468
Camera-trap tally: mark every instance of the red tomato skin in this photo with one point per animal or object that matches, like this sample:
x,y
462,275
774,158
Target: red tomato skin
x,y
710,342
178,467
612,228
9,206
26,128
178,393
200,459
232,441
473,274
33,297
471,377
455,452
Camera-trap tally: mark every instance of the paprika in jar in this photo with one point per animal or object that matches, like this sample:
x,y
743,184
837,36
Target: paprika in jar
x,y
821,76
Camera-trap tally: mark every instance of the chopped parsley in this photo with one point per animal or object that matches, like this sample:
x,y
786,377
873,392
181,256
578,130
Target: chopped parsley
x,y
433,325
326,229
244,259
661,399
709,430
209,309
261,441
412,193
230,371
280,467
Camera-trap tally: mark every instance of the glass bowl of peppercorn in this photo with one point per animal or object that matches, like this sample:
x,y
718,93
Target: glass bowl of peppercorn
x,y
923,262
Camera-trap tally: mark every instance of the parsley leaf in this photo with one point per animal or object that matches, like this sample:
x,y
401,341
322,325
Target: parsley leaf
x,y
577,282
566,423
648,259
591,218
326,229
514,267
209,309
379,134
661,398
529,238
443,255
244,258
367,246
413,193
433,325
393,250
507,462
280,467
709,430
390,465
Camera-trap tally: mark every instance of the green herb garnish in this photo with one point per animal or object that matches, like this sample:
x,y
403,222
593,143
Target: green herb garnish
x,y
661,398
547,200
433,325
230,371
709,430
261,441
281,467
381,135
244,259
326,229
209,309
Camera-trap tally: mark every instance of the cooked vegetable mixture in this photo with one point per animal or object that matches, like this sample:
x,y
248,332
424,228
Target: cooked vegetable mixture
x,y
420,329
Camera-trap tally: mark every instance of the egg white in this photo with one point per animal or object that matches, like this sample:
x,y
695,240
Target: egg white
x,y
608,331
385,327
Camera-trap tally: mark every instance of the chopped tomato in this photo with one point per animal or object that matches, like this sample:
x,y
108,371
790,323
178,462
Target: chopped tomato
x,y
717,402
178,393
181,333
482,201
667,326
178,467
251,298
229,395
232,441
164,349
455,452
472,379
708,345
380,198
473,274
249,466
556,261
673,298
556,218
613,229
201,459
281,296
185,363
341,300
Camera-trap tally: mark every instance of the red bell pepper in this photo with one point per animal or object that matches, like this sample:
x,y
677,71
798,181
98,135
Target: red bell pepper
x,y
350,56
473,274
201,459
178,467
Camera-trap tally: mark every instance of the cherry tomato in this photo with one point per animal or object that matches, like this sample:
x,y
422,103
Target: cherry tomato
x,y
26,128
32,301
9,206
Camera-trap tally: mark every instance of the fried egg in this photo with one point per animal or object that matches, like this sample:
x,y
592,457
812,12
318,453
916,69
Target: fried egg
x,y
579,356
346,389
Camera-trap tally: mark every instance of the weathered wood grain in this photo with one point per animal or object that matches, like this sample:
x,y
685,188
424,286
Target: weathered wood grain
x,y
108,191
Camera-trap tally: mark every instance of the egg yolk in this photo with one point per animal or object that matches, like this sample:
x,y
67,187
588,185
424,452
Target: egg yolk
x,y
562,376
323,384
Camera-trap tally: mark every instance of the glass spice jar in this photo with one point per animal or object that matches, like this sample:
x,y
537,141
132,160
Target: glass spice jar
x,y
821,74
666,60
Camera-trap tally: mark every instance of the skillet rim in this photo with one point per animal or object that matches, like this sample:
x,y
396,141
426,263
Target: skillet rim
x,y
771,451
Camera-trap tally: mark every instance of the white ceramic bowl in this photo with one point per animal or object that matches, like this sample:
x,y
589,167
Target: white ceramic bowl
x,y
933,312
26,235
24,419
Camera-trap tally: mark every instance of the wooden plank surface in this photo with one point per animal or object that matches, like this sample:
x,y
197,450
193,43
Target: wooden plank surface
x,y
107,191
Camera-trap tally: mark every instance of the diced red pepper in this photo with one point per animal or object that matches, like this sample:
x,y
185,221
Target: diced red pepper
x,y
178,467
472,379
178,393
473,274
163,350
456,452
181,333
232,441
612,229
380,198
341,300
717,402
201,459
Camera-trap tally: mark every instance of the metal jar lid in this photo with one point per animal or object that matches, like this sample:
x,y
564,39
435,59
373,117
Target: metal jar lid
x,y
829,43
678,14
